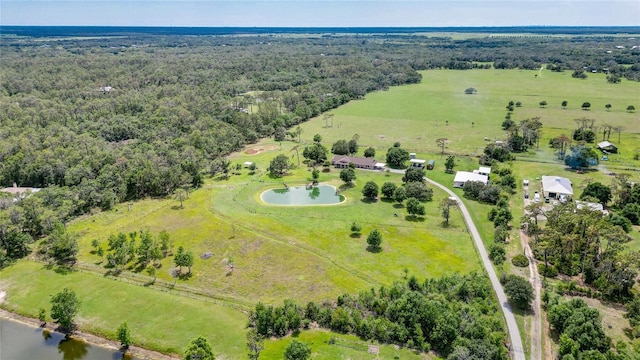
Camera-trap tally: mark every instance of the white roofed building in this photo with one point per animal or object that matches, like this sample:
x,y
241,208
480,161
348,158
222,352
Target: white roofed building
x,y
417,163
606,146
463,176
556,187
484,170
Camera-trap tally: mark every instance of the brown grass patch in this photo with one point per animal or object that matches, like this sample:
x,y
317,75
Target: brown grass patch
x,y
613,320
258,149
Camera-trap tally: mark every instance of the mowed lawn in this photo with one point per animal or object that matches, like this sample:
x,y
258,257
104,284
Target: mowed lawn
x,y
417,115
157,320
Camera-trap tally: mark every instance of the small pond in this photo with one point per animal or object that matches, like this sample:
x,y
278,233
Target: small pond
x,y
302,195
19,341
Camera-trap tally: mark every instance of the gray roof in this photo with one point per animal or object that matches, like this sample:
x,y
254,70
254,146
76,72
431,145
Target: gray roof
x,y
344,159
605,144
557,184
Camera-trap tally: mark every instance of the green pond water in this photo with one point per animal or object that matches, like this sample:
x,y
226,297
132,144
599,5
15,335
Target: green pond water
x,y
301,195
23,342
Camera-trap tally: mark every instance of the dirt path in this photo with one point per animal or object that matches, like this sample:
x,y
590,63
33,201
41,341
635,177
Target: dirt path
x,y
536,313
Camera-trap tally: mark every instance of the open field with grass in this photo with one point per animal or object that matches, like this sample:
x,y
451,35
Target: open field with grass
x,y
309,253
417,115
231,222
158,320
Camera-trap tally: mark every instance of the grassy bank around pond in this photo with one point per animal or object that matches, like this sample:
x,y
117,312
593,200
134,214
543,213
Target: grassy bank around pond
x,y
158,320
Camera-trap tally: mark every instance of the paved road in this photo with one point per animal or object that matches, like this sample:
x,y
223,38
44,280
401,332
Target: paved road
x,y
517,351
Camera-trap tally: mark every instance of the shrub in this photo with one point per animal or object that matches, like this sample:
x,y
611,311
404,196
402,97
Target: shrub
x,y
497,253
520,261
632,212
500,234
419,191
621,221
388,188
370,190
547,271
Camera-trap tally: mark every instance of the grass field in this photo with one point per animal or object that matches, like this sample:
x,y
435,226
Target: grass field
x,y
157,320
231,223
308,253
417,115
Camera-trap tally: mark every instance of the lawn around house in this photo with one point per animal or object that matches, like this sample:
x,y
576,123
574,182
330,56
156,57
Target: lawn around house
x,y
308,253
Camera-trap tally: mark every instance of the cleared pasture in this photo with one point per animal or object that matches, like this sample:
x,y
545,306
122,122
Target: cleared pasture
x,y
306,253
417,115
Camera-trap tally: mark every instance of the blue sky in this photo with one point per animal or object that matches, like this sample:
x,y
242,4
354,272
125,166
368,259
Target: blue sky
x,y
319,13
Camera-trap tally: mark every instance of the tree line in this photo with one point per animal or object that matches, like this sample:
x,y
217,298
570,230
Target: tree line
x,y
455,316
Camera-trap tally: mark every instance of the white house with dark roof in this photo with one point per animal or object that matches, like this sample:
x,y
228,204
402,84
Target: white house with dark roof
x,y
463,176
556,187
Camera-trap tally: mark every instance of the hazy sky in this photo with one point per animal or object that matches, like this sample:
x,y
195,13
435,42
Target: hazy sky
x,y
319,13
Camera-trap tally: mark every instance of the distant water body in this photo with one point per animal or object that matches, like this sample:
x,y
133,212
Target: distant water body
x,y
46,31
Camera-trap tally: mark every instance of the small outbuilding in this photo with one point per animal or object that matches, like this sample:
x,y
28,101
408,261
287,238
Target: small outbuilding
x,y
19,192
484,170
248,164
591,206
463,176
607,147
431,164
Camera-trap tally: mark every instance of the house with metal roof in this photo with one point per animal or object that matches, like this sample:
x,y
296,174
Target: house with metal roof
x,y
463,176
607,147
556,187
343,161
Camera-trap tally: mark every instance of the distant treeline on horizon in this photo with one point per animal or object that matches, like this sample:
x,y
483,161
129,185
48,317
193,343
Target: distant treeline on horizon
x,y
45,31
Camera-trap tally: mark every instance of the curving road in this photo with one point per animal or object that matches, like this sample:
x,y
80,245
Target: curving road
x,y
517,350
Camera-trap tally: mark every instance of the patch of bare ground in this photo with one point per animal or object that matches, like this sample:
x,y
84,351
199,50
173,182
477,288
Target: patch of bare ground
x,y
259,149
